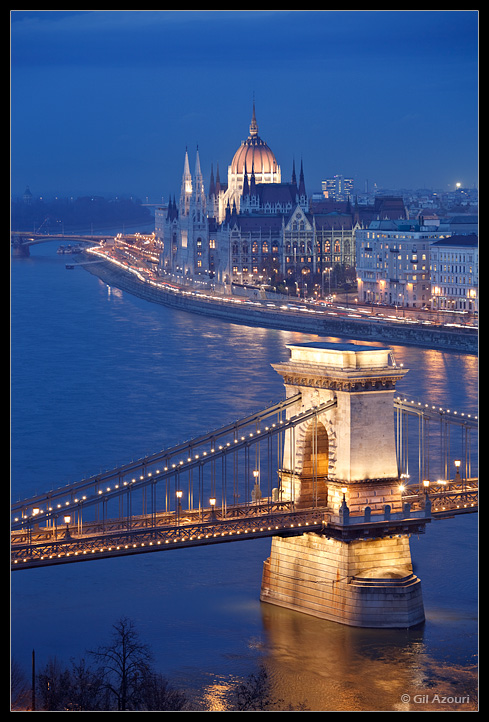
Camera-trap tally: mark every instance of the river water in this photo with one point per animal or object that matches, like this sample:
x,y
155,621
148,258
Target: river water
x,y
100,377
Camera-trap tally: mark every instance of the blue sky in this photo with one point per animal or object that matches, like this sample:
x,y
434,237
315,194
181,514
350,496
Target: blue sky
x,y
106,102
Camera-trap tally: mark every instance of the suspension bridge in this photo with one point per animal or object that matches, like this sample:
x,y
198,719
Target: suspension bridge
x,y
340,473
229,484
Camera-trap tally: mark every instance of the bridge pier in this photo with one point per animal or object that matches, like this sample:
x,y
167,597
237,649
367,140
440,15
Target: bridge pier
x,y
359,574
363,583
20,249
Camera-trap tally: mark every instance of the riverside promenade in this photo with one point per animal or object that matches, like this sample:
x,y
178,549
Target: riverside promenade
x,y
268,315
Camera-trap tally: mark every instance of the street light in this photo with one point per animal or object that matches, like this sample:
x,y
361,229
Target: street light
x,y
458,479
67,520
179,505
256,493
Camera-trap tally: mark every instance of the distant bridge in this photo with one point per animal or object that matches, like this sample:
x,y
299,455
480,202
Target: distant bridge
x,y
21,241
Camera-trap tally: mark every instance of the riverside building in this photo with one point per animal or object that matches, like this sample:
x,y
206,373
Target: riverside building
x,y
393,262
255,229
455,273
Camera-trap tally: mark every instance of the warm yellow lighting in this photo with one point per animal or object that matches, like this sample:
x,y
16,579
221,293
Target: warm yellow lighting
x,y
67,519
426,482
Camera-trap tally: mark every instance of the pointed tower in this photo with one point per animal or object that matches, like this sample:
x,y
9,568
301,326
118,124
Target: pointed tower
x,y
218,181
186,188
246,187
302,190
198,201
212,185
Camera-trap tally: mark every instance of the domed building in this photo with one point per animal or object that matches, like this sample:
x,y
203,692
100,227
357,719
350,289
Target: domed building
x,y
253,231
253,157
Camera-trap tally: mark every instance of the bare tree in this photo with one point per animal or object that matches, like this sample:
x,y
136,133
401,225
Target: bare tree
x,y
126,664
158,695
20,691
52,683
85,692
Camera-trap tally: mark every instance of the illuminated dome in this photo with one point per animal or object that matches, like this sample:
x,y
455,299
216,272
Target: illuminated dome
x,y
255,155
256,158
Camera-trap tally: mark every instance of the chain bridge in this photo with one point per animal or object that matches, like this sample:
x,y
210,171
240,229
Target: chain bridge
x,y
342,459
224,486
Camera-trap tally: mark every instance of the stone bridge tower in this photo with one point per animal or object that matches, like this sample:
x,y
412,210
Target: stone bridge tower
x,y
344,460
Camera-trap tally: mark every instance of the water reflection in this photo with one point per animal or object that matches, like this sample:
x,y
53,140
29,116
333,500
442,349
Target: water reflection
x,y
346,669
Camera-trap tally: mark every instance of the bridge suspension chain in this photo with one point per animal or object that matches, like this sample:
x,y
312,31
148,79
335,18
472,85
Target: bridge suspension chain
x,y
71,502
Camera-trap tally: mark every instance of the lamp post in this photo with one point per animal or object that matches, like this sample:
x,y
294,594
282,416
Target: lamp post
x,y
179,505
426,485
458,478
67,520
256,493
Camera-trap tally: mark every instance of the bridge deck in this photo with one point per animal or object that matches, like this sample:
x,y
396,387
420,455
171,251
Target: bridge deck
x,y
47,546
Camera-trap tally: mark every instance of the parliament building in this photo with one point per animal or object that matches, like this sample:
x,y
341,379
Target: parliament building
x,y
254,229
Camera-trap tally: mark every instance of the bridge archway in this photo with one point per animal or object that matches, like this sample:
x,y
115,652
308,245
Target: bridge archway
x,y
315,465
315,460
305,482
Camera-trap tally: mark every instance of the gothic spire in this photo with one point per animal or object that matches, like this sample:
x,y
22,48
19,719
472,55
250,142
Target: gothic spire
x,y
218,181
186,189
253,179
245,182
198,172
212,188
302,185
253,125
294,179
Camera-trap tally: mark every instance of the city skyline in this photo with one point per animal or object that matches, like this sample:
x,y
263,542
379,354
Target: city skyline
x,y
107,102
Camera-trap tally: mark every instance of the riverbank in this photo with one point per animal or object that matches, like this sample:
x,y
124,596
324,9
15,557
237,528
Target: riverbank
x,y
234,310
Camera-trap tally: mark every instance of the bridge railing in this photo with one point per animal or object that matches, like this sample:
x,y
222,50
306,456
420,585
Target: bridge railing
x,y
70,547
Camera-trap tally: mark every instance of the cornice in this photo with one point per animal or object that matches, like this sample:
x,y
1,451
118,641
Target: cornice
x,y
339,379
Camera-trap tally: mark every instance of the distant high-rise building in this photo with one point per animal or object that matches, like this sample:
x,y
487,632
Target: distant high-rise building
x,y
338,188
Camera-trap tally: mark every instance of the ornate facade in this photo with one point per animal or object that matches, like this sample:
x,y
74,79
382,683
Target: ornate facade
x,y
254,229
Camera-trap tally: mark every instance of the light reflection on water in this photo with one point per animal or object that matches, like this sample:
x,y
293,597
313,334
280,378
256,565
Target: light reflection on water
x,y
98,378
